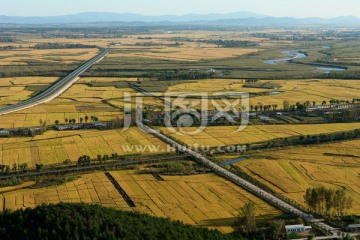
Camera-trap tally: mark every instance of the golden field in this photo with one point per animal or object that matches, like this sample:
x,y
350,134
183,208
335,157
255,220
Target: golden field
x,y
186,52
56,146
14,90
206,200
213,85
100,42
291,171
23,56
227,135
77,102
105,79
291,90
165,37
312,90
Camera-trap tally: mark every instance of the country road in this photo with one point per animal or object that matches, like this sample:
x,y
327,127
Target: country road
x,y
56,89
242,182
65,83
236,179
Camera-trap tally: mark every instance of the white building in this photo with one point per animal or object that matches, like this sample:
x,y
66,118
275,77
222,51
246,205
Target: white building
x,y
297,228
4,133
353,228
332,106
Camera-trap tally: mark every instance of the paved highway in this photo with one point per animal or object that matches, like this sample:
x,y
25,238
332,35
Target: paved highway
x,y
63,84
57,89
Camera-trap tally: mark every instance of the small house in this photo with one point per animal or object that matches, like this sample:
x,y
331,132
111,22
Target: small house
x,y
300,228
4,133
353,228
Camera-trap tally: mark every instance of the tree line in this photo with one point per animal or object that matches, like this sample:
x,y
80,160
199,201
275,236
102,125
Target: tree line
x,y
61,45
6,169
301,106
310,139
178,75
229,43
342,75
219,42
321,200
8,39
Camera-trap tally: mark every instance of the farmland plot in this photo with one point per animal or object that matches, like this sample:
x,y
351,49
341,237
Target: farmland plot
x,y
227,135
205,200
55,147
291,171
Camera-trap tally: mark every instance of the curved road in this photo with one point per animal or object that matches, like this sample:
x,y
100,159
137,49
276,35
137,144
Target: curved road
x,y
62,85
57,89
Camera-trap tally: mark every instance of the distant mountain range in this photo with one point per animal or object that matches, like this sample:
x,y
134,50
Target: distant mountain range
x,y
216,19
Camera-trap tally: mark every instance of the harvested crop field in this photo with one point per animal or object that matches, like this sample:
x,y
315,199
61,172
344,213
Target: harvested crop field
x,y
293,91
291,171
187,52
221,136
79,101
26,56
55,147
205,200
14,90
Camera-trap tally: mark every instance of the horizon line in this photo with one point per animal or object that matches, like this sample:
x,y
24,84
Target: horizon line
x,y
180,15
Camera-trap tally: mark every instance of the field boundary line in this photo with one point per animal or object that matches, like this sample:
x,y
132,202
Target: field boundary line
x,y
257,191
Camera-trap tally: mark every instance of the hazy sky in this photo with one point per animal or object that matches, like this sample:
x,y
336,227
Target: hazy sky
x,y
294,8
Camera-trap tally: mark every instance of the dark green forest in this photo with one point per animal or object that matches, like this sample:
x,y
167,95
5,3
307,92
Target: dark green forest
x,y
85,221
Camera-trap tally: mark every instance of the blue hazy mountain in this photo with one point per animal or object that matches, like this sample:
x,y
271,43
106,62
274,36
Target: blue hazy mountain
x,y
234,18
91,17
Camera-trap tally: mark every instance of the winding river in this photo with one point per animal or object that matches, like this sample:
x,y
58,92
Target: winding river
x,y
296,54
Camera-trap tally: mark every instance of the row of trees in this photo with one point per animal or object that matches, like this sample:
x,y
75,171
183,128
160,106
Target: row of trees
x,y
179,75
8,39
297,106
343,74
219,42
23,168
85,160
304,140
61,45
287,35
329,137
311,139
261,107
321,200
81,120
15,168
7,47
229,43
302,106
